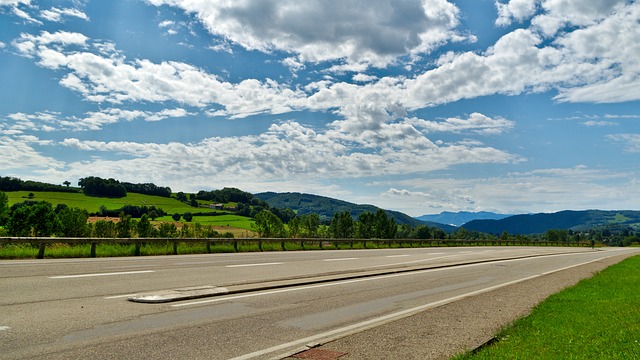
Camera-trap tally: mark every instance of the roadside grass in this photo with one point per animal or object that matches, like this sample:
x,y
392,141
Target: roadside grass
x,y
599,318
61,250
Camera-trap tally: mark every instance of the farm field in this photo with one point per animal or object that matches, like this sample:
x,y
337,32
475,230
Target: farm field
x,y
225,222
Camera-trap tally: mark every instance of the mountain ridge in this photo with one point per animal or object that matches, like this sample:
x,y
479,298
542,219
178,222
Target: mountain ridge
x,y
325,206
461,217
577,220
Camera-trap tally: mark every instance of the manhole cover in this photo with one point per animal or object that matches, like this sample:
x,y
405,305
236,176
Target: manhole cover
x,y
319,354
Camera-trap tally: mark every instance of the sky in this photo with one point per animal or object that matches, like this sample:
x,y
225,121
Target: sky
x,y
510,106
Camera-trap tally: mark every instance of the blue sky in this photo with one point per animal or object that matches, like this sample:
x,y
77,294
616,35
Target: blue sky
x,y
419,106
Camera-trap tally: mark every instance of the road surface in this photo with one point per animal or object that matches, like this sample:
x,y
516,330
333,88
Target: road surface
x,y
80,308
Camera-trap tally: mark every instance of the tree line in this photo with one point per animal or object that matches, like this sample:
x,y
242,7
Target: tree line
x,y
15,184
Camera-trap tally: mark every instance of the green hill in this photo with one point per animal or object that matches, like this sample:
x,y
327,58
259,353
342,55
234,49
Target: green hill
x,y
563,220
326,207
92,203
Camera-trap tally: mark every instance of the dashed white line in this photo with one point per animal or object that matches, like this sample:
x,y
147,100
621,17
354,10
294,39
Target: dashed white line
x,y
396,256
258,264
340,259
4,328
101,274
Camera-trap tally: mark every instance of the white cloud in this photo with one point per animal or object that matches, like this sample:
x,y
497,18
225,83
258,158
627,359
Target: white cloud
x,y
18,154
364,77
24,15
56,14
358,32
560,13
518,10
14,2
630,141
541,190
595,123
475,123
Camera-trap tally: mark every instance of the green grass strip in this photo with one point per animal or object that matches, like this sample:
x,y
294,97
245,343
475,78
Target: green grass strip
x,y
598,318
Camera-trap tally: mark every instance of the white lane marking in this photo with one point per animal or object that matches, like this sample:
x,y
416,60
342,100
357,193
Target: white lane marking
x,y
340,259
120,296
258,264
4,328
101,274
368,324
395,256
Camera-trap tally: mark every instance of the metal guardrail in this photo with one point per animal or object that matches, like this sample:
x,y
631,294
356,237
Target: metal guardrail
x,y
322,243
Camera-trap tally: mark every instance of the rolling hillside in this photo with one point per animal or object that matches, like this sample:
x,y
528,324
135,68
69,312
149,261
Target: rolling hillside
x,y
563,220
325,206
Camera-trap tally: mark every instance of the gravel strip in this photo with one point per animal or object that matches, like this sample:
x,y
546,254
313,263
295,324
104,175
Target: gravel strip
x,y
460,326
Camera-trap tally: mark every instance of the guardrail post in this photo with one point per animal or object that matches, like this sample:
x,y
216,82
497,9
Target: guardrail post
x,y
208,247
235,245
260,244
41,250
282,244
175,248
93,250
136,252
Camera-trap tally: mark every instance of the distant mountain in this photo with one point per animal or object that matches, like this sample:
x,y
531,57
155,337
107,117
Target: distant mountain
x,y
563,220
326,207
461,217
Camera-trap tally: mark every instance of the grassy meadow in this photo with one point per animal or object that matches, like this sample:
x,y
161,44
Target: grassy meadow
x,y
226,222
599,318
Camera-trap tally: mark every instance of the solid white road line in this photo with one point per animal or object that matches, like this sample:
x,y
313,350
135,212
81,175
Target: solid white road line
x,y
101,274
258,264
120,296
395,256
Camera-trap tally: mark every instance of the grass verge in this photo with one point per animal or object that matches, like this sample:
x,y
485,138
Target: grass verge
x,y
599,318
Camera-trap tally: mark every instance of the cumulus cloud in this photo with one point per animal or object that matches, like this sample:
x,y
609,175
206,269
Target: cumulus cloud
x,y
356,31
517,10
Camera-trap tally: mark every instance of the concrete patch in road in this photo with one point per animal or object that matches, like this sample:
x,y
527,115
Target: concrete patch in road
x,y
179,294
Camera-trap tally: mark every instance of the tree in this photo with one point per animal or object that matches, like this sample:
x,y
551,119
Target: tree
x,y
124,226
66,183
310,223
4,208
104,229
176,217
187,216
422,232
144,227
268,224
19,223
153,214
181,196
365,225
385,227
341,225
72,222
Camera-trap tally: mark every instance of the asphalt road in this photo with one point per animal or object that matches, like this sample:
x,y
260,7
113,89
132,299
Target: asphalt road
x,y
79,308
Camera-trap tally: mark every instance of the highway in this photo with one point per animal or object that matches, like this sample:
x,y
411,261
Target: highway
x,y
278,301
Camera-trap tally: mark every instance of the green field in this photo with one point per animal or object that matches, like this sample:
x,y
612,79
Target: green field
x,y
599,318
169,205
